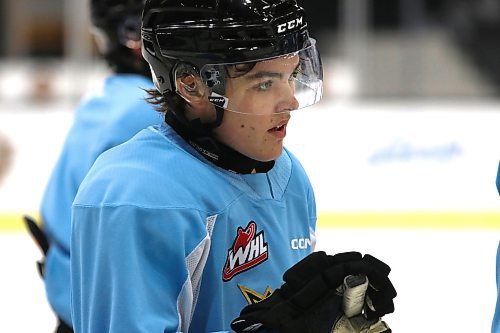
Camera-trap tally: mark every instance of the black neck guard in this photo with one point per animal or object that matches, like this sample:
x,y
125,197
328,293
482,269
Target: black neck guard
x,y
199,136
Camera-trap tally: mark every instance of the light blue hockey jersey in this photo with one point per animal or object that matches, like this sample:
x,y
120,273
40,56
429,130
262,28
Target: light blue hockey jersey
x,y
164,241
496,319
498,179
103,120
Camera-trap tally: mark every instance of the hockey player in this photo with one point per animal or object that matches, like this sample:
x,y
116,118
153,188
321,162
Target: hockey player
x,y
103,119
6,153
496,319
191,222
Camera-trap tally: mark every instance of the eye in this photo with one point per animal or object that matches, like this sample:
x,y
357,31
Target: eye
x,y
263,86
294,75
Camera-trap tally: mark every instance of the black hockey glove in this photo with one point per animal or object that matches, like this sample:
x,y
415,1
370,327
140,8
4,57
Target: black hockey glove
x,y
41,240
312,298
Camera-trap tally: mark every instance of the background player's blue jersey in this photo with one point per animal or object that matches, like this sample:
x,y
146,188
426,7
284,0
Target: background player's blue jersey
x,y
102,120
164,241
496,319
498,179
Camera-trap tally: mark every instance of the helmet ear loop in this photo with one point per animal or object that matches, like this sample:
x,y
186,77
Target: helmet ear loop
x,y
219,115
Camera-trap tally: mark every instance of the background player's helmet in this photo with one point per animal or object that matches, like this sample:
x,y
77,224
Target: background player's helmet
x,y
117,26
207,36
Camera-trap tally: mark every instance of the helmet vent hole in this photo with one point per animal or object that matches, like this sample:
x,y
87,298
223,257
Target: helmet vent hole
x,y
148,46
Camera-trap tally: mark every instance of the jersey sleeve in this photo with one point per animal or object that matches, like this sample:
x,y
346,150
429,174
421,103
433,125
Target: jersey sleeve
x,y
312,217
135,269
495,327
312,209
498,178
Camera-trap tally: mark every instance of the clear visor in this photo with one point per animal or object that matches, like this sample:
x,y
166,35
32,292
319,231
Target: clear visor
x,y
274,85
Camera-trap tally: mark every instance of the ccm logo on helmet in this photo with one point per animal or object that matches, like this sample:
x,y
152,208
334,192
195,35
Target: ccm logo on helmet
x,y
290,25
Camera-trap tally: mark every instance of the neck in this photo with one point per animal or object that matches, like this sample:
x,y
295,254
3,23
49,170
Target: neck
x,y
200,137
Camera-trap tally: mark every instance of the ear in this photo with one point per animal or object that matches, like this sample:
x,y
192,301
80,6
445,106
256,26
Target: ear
x,y
191,89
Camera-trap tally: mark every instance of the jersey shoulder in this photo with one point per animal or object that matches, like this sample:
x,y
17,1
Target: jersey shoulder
x,y
153,171
298,173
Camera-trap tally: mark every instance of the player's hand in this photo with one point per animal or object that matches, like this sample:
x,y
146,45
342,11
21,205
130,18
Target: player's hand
x,y
312,300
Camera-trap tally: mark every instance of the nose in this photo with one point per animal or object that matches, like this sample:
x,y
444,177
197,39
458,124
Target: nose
x,y
294,103
288,101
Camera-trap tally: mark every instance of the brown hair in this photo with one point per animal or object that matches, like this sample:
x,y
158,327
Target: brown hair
x,y
156,99
165,102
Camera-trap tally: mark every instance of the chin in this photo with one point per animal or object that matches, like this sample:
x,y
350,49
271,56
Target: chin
x,y
272,156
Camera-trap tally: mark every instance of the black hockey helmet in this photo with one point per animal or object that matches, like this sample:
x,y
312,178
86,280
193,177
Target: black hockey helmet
x,y
117,26
207,35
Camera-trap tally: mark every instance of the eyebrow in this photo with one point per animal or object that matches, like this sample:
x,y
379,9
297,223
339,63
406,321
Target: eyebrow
x,y
260,75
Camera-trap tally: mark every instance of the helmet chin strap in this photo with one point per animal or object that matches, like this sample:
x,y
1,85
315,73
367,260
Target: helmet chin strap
x,y
200,137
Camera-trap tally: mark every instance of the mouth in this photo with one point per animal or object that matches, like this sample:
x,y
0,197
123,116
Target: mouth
x,y
279,130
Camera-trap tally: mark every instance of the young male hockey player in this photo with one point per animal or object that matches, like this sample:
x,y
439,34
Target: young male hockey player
x,y
191,221
103,119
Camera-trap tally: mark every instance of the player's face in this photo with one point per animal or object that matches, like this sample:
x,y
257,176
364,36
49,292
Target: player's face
x,y
264,98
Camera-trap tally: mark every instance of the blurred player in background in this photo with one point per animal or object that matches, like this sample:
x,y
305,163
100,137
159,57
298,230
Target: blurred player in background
x,y
193,220
104,119
5,156
496,319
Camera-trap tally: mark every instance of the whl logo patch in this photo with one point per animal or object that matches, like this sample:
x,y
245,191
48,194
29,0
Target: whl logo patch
x,y
249,250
